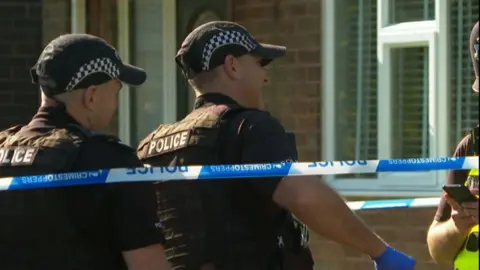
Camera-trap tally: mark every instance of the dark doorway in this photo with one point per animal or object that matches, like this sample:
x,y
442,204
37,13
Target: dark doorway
x,y
191,14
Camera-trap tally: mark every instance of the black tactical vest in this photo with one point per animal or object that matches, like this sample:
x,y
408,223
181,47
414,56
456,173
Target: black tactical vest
x,y
217,224
36,231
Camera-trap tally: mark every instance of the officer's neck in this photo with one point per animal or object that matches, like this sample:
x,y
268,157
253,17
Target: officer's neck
x,y
75,113
80,118
235,94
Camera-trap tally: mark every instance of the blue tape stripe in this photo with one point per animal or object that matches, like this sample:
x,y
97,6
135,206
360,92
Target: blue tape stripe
x,y
60,180
420,164
243,171
235,171
399,203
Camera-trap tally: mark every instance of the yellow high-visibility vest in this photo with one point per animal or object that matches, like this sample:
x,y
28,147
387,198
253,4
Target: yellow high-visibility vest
x,y
467,258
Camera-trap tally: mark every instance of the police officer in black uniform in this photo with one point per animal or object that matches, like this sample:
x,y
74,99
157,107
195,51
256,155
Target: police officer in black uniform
x,y
241,224
94,227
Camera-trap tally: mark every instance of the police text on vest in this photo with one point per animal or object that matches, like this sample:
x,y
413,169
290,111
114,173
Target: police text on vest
x,y
168,143
17,156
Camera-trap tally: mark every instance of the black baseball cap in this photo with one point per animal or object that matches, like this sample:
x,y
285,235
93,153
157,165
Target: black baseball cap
x,y
206,47
76,61
474,52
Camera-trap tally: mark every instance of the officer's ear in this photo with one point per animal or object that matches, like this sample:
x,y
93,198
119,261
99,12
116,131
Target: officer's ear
x,y
90,96
232,67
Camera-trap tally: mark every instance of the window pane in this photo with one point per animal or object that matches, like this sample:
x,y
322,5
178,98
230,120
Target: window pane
x,y
146,44
412,10
410,103
356,81
464,14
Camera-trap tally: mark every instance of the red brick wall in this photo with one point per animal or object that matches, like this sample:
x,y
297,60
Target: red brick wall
x,y
26,27
20,45
294,91
294,96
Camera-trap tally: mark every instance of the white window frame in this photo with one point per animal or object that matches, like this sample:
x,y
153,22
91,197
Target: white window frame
x,y
404,35
431,34
123,44
169,84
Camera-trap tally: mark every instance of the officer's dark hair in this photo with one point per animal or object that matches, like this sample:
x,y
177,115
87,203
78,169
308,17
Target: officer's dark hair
x,y
200,80
62,98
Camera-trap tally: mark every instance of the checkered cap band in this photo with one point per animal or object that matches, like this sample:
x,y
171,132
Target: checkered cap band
x,y
99,65
222,39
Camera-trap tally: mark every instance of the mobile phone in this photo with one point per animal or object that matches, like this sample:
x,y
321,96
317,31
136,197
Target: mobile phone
x,y
460,193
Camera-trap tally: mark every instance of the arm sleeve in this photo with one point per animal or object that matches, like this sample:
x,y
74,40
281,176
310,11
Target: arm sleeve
x,y
133,206
265,141
453,177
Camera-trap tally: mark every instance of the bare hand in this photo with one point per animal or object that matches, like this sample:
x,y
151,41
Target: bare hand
x,y
464,216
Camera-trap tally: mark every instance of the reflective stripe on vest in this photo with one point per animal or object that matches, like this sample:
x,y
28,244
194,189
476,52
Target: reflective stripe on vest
x,y
473,172
467,258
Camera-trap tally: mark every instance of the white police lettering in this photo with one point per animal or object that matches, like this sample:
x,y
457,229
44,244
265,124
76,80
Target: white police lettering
x,y
17,156
168,143
344,163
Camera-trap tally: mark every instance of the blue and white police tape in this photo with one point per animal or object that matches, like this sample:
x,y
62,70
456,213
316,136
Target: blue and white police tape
x,y
235,171
398,203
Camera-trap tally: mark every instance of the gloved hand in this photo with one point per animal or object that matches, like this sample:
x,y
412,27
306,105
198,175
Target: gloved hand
x,y
393,259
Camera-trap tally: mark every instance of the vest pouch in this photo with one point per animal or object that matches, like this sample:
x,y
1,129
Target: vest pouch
x,y
300,261
295,254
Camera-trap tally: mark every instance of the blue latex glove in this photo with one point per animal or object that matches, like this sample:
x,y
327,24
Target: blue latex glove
x,y
393,259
